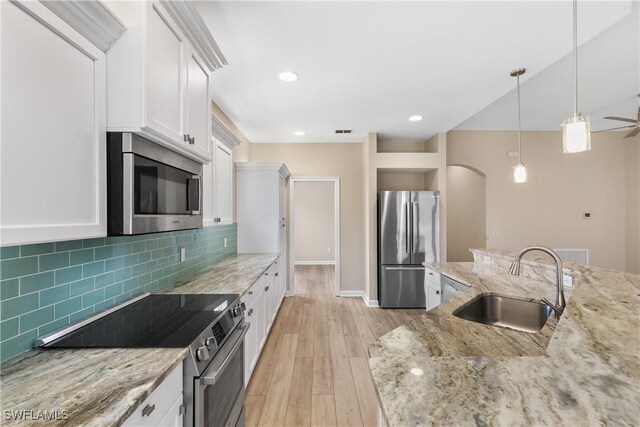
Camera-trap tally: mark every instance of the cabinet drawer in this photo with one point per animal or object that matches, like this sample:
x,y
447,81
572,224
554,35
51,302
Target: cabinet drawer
x,y
432,277
156,406
254,290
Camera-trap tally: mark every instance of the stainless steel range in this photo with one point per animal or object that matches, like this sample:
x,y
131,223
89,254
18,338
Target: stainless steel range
x,y
211,326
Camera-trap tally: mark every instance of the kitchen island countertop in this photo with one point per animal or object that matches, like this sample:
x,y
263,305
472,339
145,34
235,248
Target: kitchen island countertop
x,y
583,370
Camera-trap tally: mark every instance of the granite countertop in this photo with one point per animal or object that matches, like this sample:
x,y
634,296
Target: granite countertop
x,y
102,387
233,275
585,370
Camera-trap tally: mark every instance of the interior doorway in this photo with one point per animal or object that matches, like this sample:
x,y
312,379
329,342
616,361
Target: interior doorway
x,y
314,233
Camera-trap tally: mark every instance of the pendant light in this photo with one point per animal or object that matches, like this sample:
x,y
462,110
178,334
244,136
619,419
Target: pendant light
x,y
519,170
576,132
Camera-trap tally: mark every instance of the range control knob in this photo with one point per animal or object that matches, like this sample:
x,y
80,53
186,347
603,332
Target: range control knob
x,y
202,353
238,310
210,342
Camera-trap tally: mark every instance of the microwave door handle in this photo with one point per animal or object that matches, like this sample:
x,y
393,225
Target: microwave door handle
x,y
194,210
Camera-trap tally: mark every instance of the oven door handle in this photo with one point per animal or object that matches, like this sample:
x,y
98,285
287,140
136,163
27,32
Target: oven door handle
x,y
212,377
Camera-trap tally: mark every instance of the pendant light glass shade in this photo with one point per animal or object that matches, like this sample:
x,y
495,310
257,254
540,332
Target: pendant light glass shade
x,y
520,173
576,134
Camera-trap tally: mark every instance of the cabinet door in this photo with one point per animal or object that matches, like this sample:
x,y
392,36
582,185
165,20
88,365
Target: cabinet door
x,y
282,199
260,321
224,183
53,163
209,190
165,72
173,417
251,342
198,111
433,297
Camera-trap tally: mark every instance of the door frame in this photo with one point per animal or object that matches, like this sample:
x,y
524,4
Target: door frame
x,y
292,244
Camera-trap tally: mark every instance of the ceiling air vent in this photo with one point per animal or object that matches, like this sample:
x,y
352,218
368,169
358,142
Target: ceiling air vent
x,y
344,130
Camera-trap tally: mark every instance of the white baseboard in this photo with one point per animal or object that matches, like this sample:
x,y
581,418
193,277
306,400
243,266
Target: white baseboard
x,y
360,294
314,263
351,294
287,293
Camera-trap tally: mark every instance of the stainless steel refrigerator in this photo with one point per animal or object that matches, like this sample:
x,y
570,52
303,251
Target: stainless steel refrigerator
x,y
408,235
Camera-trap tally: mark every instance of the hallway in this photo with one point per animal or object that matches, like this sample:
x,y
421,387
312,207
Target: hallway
x,y
313,368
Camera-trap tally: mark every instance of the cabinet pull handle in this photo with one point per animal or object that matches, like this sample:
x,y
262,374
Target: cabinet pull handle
x,y
266,274
276,274
192,140
250,292
147,410
437,292
250,311
185,137
266,289
283,225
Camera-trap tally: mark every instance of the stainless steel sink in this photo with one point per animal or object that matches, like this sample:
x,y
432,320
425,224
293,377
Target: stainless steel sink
x,y
496,310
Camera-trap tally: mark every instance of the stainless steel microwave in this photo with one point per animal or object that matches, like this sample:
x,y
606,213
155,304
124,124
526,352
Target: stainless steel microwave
x,y
150,188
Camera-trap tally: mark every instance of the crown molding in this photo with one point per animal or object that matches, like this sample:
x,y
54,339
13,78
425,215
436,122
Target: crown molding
x,y
222,133
280,167
91,18
192,24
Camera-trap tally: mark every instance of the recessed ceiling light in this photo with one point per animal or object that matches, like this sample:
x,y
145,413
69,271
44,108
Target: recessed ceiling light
x,y
288,76
415,118
298,133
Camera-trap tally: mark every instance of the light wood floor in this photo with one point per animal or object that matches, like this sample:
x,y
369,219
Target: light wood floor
x,y
313,368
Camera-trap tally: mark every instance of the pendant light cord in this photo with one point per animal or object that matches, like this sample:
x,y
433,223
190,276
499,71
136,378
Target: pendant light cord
x,y
519,123
575,56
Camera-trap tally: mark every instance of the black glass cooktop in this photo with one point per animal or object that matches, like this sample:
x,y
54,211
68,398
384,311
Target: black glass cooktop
x,y
154,321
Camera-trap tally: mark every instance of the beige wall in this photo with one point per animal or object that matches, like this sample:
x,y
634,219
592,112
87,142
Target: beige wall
x,y
330,160
548,209
314,213
633,204
466,213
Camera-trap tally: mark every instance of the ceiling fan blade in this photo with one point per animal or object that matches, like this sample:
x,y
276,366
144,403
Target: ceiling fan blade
x,y
607,130
622,119
633,132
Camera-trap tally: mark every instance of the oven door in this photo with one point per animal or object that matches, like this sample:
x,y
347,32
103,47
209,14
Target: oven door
x,y
219,392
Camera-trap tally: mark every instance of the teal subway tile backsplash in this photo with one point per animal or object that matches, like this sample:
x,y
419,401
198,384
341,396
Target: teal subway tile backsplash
x,y
46,286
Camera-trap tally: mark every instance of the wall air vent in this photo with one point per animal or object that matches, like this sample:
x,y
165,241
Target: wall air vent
x,y
344,131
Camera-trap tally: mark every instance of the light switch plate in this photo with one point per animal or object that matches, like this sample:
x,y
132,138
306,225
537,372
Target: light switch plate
x,y
183,254
224,242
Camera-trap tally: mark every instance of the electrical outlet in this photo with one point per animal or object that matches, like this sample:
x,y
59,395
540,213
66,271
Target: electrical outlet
x,y
224,242
183,254
567,280
495,233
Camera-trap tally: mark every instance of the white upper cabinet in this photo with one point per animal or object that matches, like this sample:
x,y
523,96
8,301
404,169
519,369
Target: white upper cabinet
x,y
218,185
159,76
53,163
198,104
166,46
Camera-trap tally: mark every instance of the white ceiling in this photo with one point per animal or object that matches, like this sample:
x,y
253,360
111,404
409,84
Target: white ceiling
x,y
368,66
609,84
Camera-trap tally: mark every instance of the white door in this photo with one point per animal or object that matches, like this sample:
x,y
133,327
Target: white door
x,y
433,297
198,111
173,417
165,75
224,183
53,163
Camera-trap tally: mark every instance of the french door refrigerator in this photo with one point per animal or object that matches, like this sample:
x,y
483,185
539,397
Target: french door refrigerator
x,y
408,235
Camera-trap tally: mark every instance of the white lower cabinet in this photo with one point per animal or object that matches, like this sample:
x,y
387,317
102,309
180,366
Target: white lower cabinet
x,y
163,407
432,288
262,300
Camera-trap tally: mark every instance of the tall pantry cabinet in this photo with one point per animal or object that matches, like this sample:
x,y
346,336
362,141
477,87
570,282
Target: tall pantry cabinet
x,y
261,204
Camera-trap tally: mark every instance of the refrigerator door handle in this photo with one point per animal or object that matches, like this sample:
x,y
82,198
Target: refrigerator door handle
x,y
406,226
404,268
415,228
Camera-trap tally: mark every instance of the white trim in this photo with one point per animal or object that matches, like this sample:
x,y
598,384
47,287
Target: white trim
x,y
314,263
360,294
223,134
185,14
92,19
351,294
292,247
284,171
